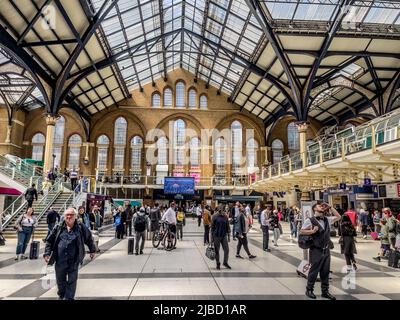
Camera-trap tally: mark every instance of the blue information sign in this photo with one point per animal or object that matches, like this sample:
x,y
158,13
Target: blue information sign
x,y
179,185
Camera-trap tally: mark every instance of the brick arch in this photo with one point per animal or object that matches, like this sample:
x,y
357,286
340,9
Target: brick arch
x,y
110,118
182,116
259,136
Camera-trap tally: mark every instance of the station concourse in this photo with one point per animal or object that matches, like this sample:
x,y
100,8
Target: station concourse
x,y
241,109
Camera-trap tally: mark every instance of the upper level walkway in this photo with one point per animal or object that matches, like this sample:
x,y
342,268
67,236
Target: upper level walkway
x,y
371,150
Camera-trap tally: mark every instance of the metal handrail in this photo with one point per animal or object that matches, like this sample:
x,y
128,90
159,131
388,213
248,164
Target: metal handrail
x,y
57,187
21,207
13,211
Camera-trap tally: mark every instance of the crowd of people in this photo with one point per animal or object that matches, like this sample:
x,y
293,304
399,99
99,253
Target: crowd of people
x,y
220,224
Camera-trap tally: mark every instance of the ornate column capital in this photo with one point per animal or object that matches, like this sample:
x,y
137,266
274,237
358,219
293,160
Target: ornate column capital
x,y
302,126
51,120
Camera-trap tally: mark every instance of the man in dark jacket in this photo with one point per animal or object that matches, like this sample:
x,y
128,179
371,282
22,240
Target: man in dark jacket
x,y
320,256
30,195
52,218
219,235
66,247
129,216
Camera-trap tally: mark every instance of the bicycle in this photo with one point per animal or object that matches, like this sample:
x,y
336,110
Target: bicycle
x,y
158,236
165,235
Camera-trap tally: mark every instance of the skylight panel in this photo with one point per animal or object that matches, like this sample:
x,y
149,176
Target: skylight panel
x,y
281,10
319,12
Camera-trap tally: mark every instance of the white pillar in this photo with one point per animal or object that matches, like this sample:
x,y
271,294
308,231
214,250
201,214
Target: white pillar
x,y
48,151
8,136
302,128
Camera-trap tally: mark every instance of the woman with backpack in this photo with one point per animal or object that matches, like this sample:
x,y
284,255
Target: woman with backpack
x,y
180,222
119,223
347,242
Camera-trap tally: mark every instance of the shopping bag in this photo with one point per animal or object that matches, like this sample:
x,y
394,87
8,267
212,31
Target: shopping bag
x,y
210,252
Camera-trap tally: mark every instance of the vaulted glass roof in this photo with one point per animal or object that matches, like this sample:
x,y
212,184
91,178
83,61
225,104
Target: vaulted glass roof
x,y
269,57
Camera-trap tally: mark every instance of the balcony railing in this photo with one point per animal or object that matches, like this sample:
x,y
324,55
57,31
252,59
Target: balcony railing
x,y
365,137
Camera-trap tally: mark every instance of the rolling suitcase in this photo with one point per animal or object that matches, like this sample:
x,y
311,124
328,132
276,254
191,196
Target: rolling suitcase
x,y
34,250
131,243
394,257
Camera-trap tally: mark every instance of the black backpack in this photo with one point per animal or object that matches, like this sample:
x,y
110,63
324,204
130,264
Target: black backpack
x,y
306,242
140,223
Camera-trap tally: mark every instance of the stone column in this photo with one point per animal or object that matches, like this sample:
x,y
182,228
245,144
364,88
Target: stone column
x,y
8,136
48,151
302,127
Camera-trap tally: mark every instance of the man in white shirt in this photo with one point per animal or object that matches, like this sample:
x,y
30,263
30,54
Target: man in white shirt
x,y
199,214
264,219
320,257
170,217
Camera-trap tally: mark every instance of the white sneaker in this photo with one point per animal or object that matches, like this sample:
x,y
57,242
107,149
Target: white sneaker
x,y
364,237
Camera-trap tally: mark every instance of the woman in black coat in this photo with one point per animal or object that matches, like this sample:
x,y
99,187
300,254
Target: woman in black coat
x,y
347,242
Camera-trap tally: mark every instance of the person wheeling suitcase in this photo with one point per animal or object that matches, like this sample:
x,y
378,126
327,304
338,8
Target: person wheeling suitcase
x,y
24,226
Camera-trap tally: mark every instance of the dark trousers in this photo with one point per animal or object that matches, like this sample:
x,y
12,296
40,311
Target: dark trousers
x,y
140,235
206,234
67,277
320,263
265,230
364,230
30,202
242,242
350,259
128,226
73,183
225,247
179,231
199,220
120,231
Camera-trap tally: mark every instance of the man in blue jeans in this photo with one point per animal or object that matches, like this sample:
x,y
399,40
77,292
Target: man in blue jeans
x,y
234,215
66,247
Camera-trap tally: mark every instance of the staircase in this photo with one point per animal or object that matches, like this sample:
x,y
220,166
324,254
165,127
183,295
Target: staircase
x,y
19,175
64,199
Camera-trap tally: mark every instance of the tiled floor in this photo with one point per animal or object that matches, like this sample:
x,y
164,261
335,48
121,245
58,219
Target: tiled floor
x,y
185,273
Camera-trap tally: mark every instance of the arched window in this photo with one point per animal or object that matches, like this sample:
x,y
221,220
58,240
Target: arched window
x,y
162,159
277,150
38,142
195,152
252,148
180,95
136,155
58,140
167,97
236,144
293,138
203,102
192,98
120,129
102,152
162,148
220,150
74,144
156,100
179,142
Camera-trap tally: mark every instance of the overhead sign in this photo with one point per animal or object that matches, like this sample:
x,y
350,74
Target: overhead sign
x,y
393,190
179,185
342,186
367,182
